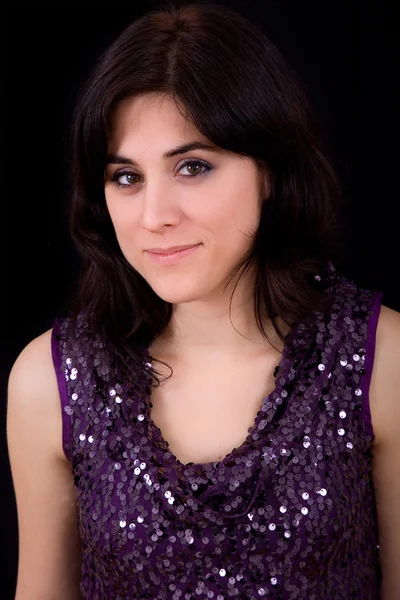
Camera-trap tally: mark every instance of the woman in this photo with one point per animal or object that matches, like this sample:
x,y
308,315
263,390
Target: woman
x,y
217,414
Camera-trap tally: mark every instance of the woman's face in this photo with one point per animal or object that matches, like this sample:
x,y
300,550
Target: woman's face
x,y
207,198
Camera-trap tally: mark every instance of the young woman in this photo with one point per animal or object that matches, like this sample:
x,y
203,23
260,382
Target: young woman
x,y
217,414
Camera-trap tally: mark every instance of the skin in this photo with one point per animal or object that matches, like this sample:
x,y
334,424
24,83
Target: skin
x,y
159,207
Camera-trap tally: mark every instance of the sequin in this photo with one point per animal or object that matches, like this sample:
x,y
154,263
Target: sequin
x,y
288,514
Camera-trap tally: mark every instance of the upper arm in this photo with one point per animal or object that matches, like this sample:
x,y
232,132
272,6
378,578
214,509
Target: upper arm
x,y
385,413
49,545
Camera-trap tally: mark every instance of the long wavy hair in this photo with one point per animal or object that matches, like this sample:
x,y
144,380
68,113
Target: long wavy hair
x,y
239,92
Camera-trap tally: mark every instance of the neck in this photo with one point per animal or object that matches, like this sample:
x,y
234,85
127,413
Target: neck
x,y
205,327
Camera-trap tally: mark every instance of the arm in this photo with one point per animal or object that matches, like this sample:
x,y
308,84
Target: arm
x,y
385,412
49,546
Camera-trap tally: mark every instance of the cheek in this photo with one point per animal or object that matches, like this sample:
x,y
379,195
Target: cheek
x,y
121,214
237,218
125,222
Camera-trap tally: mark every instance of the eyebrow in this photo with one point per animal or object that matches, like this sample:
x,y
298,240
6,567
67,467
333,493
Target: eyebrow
x,y
117,159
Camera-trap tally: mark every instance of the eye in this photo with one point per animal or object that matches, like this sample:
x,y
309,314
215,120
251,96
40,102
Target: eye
x,y
196,163
124,179
127,179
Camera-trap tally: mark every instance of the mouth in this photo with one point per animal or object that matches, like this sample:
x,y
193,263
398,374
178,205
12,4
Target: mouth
x,y
170,250
171,256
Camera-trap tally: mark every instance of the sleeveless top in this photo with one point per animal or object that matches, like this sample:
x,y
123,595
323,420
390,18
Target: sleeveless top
x,y
289,514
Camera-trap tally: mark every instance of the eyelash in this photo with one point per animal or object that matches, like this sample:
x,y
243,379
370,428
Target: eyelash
x,y
118,174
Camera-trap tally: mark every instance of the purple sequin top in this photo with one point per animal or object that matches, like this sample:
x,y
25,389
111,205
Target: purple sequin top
x,y
290,514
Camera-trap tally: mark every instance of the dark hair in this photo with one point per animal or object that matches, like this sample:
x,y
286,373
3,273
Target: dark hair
x,y
238,91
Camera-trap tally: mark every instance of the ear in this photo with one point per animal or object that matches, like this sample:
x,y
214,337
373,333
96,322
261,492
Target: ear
x,y
266,183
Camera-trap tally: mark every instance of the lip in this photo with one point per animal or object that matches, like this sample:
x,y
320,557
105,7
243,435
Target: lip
x,y
169,256
169,250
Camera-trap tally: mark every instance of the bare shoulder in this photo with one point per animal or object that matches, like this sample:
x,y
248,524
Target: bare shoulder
x,y
385,413
34,365
385,380
49,557
33,389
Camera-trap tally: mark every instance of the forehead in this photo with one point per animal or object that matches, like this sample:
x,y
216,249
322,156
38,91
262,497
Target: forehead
x,y
149,119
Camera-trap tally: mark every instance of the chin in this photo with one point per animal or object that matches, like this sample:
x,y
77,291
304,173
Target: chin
x,y
178,298
178,294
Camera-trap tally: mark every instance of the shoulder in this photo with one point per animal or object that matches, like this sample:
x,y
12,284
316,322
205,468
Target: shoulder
x,y
33,362
32,393
385,413
384,391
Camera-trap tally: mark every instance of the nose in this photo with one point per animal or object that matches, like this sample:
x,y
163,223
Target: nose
x,y
160,207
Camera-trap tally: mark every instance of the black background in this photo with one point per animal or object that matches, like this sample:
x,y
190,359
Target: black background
x,y
343,53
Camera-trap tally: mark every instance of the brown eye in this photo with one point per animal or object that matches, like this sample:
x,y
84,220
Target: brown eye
x,y
195,168
124,180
